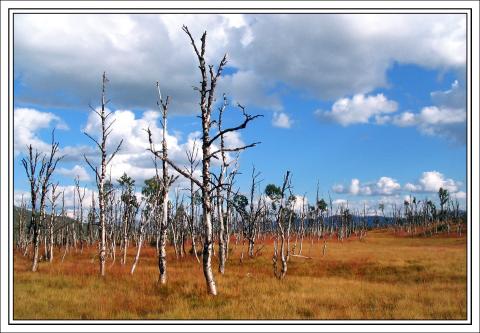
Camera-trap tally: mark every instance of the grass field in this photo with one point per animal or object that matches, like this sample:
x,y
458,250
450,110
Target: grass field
x,y
382,277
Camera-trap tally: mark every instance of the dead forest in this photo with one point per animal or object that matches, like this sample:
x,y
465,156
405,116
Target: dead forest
x,y
209,217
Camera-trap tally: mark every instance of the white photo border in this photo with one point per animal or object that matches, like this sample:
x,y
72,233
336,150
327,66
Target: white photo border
x,y
10,8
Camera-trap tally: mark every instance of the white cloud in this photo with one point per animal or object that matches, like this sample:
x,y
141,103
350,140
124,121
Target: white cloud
x,y
133,157
233,139
327,56
431,181
331,56
358,110
446,118
386,186
282,120
405,119
412,187
383,186
433,120
381,120
452,98
76,171
27,123
338,188
355,186
299,203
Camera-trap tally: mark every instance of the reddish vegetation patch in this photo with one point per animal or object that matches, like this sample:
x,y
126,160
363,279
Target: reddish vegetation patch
x,y
380,277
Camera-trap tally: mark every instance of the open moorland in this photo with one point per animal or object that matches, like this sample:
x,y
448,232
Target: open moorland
x,y
383,276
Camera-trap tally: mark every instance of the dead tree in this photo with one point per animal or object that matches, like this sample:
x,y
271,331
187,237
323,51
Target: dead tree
x,y
92,216
100,176
224,179
207,99
129,205
81,197
39,181
53,216
192,159
282,228
162,255
22,217
167,181
144,220
253,215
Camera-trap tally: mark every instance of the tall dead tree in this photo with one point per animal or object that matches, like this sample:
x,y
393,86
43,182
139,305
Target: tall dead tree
x,y
162,255
167,181
100,176
224,182
206,90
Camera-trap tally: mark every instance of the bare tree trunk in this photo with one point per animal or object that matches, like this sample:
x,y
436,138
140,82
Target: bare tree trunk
x,y
139,246
166,180
283,232
207,93
100,177
125,235
51,223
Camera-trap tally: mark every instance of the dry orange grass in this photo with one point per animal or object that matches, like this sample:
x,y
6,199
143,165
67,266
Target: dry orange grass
x,y
383,277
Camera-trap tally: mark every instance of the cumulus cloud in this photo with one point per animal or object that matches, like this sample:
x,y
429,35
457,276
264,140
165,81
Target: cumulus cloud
x,y
436,121
431,181
428,182
338,188
77,171
390,193
383,186
359,109
335,57
133,157
26,125
355,186
327,56
282,120
386,186
446,118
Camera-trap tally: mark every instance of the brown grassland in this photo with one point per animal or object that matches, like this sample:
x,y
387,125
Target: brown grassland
x,y
382,277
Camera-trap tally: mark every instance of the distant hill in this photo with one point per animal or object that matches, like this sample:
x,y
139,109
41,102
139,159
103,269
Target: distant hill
x,y
16,216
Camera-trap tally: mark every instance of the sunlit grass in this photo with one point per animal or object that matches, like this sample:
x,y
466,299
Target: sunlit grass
x,y
383,277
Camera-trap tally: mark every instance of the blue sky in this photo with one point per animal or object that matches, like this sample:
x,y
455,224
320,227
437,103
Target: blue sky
x,y
371,107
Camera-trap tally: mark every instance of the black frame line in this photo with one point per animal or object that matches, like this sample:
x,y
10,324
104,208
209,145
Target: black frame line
x,y
469,83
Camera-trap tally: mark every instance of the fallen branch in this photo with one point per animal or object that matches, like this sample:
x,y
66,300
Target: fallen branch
x,y
300,256
258,250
